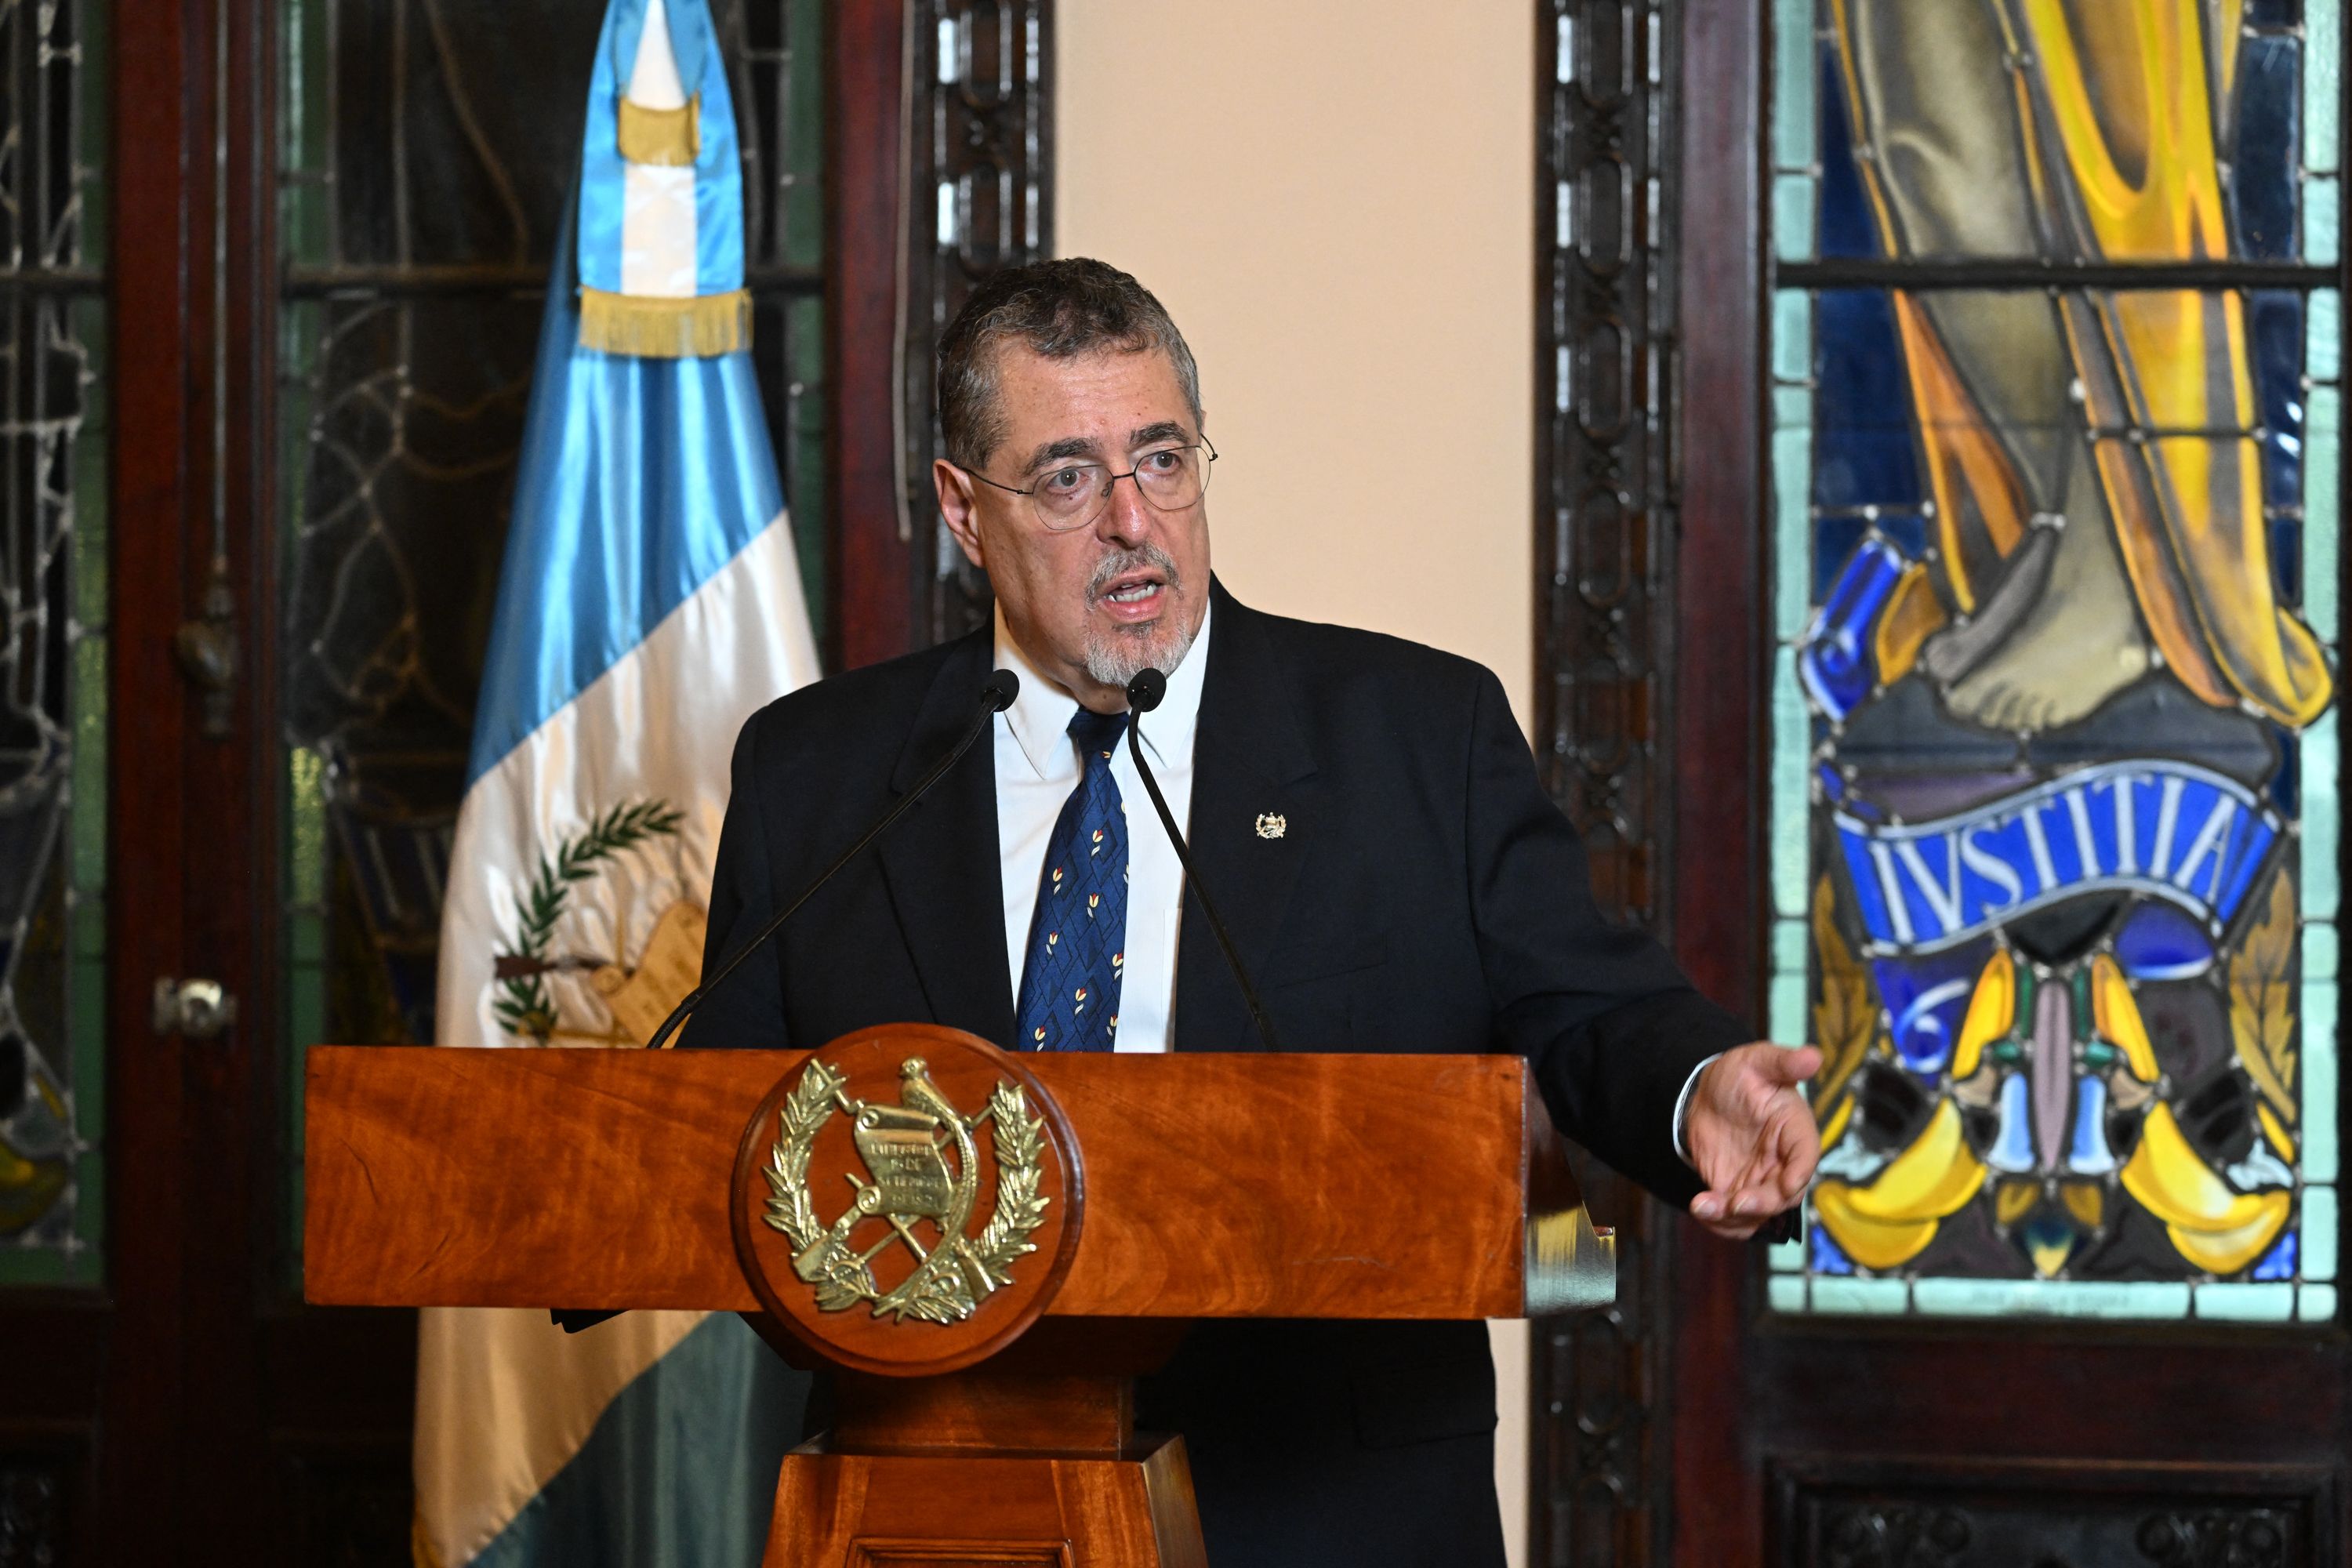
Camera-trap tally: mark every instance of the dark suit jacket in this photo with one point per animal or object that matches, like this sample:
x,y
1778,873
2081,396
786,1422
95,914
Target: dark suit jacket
x,y
1425,896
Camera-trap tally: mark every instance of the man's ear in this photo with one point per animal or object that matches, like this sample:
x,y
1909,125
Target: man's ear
x,y
958,507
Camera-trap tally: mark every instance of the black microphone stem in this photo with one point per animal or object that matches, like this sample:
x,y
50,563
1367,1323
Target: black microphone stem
x,y
694,998
1192,878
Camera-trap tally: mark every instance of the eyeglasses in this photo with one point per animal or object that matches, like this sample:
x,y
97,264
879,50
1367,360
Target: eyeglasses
x,y
1073,495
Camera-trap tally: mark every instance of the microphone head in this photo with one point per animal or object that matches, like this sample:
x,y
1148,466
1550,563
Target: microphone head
x,y
1002,689
1145,691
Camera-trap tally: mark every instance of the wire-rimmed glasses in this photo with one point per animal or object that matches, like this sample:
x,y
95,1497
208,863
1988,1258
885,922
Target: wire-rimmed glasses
x,y
1069,495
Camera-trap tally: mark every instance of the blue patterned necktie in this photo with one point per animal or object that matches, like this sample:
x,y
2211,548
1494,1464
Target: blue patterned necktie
x,y
1077,937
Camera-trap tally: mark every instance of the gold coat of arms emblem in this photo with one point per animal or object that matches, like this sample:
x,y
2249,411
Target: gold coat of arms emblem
x,y
922,1181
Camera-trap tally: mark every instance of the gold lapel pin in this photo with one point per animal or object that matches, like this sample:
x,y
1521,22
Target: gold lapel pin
x,y
1270,826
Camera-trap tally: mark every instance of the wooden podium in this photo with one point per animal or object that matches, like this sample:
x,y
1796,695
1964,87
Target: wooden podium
x,y
988,1249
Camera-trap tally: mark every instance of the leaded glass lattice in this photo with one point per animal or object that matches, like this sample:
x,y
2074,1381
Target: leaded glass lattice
x,y
427,153
53,648
2054,867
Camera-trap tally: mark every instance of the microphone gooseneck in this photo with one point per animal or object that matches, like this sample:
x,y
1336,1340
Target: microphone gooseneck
x,y
995,697
1145,693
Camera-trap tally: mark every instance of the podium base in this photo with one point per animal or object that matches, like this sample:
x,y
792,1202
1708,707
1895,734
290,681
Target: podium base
x,y
964,1511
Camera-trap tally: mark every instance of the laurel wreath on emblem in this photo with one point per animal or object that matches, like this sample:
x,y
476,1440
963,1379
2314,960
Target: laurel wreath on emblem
x,y
905,1147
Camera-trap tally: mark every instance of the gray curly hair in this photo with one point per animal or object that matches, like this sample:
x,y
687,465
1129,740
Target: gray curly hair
x,y
1060,309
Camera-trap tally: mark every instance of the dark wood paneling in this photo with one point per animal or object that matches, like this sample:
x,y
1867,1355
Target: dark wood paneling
x,y
341,1505
154,137
1719,690
872,594
1604,542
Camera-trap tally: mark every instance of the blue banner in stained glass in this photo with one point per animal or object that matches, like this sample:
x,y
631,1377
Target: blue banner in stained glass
x,y
2179,833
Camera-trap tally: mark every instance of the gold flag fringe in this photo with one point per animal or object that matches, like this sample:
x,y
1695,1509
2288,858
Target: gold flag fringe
x,y
656,327
669,138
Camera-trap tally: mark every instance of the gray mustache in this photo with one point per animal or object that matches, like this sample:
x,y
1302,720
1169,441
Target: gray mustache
x,y
1126,561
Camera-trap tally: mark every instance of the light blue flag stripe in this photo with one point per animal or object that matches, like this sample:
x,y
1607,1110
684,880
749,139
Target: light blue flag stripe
x,y
639,479
678,1472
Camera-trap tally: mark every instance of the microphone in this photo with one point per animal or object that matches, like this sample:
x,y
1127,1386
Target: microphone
x,y
995,697
1144,693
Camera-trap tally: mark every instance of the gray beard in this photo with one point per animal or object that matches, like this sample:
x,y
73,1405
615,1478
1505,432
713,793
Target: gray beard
x,y
1117,657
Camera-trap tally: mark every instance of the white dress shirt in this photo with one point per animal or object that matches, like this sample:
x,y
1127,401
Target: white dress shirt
x,y
1036,769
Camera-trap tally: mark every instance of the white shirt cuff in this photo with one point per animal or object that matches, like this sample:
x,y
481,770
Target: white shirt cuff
x,y
1681,1108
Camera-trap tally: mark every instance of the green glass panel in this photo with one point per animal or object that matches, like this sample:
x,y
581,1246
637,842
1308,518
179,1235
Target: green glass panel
x,y
2319,950
1787,1007
1794,197
2051,1297
85,1263
1785,1293
1792,454
2315,1303
1793,407
2320,1044
304,120
2315,887
89,810
306,835
2323,83
804,454
1789,949
1791,746
2323,436
2231,1303
2319,1233
803,180
2321,217
1792,335
1855,1297
1796,67
1786,1256
2322,335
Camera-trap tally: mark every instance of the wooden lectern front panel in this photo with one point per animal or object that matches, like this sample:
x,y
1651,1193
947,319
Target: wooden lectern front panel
x,y
1236,1184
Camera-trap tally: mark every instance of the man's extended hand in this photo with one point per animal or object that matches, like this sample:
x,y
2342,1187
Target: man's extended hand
x,y
1750,1136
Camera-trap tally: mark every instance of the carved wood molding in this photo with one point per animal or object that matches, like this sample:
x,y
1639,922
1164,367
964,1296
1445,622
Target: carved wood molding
x,y
1959,1512
1604,415
938,171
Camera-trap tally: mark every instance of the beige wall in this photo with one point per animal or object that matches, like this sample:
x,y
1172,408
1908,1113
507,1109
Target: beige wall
x,y
1334,199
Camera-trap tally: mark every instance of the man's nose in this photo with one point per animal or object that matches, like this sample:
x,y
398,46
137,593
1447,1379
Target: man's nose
x,y
1127,517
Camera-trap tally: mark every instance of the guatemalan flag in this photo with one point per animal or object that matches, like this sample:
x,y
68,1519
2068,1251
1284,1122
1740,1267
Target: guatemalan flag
x,y
650,602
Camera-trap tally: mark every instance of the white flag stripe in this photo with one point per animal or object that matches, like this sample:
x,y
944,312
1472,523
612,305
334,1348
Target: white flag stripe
x,y
659,725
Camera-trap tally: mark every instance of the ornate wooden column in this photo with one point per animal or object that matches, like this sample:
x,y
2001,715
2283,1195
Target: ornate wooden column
x,y
963,134
1605,524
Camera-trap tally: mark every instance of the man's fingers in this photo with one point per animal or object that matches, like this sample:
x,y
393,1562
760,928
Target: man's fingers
x,y
1788,1066
1760,1202
1755,1201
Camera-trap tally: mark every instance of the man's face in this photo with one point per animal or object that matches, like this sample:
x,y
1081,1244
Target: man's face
x,y
1128,590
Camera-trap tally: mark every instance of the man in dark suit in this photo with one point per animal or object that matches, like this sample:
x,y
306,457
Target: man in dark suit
x,y
1363,810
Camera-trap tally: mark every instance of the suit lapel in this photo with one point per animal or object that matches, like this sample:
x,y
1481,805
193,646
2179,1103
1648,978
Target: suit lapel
x,y
941,861
1250,762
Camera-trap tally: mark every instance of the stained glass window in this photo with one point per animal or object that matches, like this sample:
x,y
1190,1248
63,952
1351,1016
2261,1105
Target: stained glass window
x,y
53,646
2056,337
422,181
